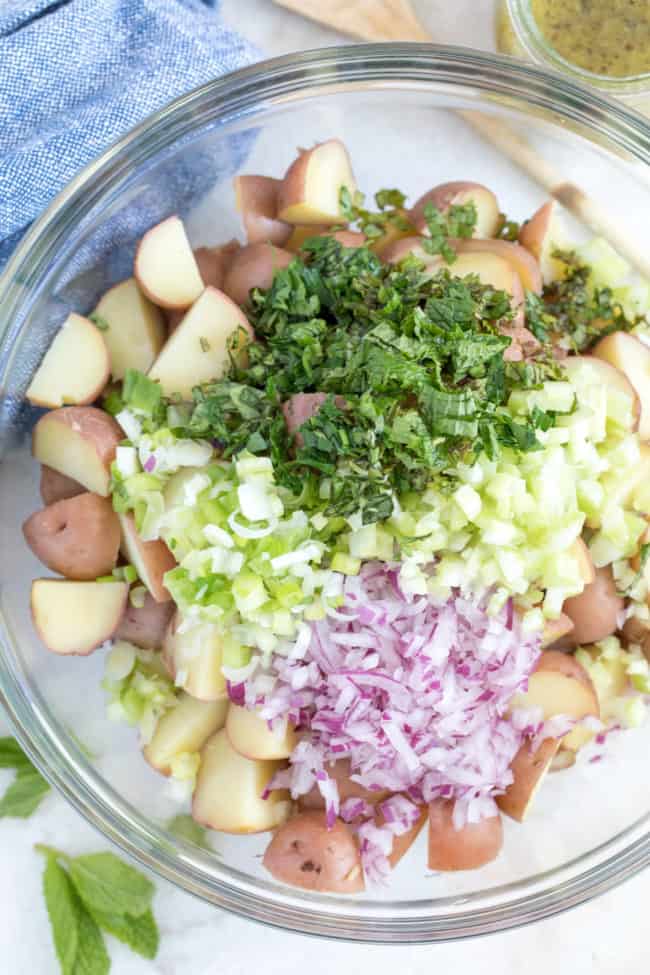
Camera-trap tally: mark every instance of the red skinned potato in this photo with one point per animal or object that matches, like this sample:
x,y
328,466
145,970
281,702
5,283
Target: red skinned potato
x,y
348,238
528,768
305,853
212,262
253,267
57,487
151,560
521,261
79,442
555,630
145,625
75,618
403,843
165,266
348,789
257,200
310,190
458,193
75,368
300,234
135,328
541,235
595,610
461,849
79,537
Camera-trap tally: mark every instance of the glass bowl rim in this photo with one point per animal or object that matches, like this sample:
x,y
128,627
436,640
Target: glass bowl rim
x,y
247,92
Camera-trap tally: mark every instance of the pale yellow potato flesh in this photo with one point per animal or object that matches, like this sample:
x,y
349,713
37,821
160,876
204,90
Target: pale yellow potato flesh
x,y
194,659
542,235
79,442
310,191
151,560
609,376
136,328
199,349
184,728
229,788
76,617
250,735
75,369
529,769
632,357
165,266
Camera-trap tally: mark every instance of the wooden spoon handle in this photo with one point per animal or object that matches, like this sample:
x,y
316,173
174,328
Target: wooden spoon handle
x,y
394,20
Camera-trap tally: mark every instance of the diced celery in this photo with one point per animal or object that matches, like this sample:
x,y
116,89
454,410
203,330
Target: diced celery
x,y
346,564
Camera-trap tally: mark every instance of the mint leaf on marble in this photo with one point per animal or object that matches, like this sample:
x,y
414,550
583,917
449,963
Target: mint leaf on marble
x,y
139,933
107,884
28,789
62,911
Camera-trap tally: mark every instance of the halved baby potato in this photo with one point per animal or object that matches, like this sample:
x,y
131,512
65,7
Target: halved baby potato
x,y
256,198
194,659
76,617
78,537
151,560
306,853
251,267
229,789
542,235
136,329
199,350
609,376
528,768
310,190
468,848
632,357
459,193
79,442
595,611
57,487
184,728
165,266
75,368
251,736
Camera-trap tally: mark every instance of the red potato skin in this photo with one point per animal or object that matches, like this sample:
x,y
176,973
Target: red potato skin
x,y
464,849
102,429
78,537
528,768
160,560
301,407
213,262
348,238
57,487
257,201
403,843
565,664
445,196
348,789
305,853
595,610
533,231
635,632
145,626
253,267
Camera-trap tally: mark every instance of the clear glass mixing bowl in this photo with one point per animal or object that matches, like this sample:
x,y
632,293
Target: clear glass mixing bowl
x,y
396,107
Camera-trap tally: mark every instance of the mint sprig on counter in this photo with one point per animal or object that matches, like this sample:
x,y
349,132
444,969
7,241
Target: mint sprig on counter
x,y
28,789
91,894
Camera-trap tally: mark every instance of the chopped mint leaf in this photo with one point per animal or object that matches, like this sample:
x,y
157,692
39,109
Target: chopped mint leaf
x,y
205,345
99,322
508,229
141,393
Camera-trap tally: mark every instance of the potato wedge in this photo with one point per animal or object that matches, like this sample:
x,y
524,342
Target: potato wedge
x,y
632,357
75,368
165,267
79,442
79,537
305,853
403,843
135,331
459,193
151,560
250,735
184,728
528,768
194,658
57,487
347,787
310,190
555,630
520,260
256,199
596,609
76,617
253,267
461,849
229,788
145,625
200,348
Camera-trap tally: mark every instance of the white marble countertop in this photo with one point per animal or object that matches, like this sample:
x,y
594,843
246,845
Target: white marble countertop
x,y
605,937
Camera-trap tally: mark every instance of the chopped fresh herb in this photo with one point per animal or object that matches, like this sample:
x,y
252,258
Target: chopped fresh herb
x,y
141,393
390,214
538,320
457,221
112,402
28,789
508,229
205,345
580,314
644,555
99,322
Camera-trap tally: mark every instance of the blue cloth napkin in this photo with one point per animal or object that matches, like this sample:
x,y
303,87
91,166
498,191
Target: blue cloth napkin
x,y
75,75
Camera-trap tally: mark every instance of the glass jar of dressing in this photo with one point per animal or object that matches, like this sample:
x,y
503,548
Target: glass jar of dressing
x,y
603,43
